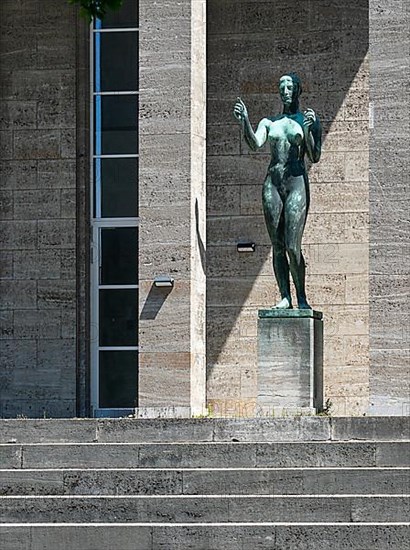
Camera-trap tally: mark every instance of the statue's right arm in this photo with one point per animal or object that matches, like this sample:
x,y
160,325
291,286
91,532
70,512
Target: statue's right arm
x,y
257,139
253,139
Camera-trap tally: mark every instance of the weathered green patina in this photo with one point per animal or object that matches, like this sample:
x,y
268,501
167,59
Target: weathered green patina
x,y
285,195
276,313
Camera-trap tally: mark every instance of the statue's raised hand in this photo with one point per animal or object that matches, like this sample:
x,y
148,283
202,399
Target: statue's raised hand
x,y
309,118
240,112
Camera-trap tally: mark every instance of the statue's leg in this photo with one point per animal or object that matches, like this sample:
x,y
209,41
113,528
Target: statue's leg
x,y
295,217
273,210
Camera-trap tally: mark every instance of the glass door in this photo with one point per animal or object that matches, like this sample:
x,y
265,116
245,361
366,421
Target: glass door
x,y
114,175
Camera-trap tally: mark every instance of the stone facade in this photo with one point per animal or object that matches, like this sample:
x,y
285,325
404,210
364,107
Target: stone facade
x,y
356,240
38,208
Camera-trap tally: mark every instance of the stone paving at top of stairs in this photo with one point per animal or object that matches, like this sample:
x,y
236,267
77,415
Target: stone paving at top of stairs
x,y
130,430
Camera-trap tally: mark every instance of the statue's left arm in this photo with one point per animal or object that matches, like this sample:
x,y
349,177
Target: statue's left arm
x,y
313,135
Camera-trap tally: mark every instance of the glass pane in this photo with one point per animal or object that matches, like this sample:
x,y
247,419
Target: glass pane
x,y
118,69
116,125
116,181
119,249
118,379
118,317
126,16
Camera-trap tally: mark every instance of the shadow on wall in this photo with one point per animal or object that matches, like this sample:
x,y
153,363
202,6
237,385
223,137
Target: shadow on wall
x,y
154,302
250,45
200,242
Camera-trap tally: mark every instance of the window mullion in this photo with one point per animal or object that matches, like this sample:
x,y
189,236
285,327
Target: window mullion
x,y
128,29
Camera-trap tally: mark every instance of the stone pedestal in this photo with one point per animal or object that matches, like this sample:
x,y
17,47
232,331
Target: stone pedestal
x,y
290,361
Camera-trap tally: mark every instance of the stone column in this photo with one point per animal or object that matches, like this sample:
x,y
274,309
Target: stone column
x,y
198,206
172,207
389,213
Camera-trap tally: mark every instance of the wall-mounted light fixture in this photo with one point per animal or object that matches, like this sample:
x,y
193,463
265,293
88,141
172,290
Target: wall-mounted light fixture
x,y
245,247
164,281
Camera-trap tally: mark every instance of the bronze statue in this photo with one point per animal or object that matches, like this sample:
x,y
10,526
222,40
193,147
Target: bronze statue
x,y
285,195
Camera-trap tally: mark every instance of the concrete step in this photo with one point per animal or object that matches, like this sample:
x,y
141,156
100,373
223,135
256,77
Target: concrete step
x,y
199,537
209,429
261,481
209,484
205,509
206,455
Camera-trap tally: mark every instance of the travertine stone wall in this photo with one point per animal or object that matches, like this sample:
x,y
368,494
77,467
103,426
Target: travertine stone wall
x,y
389,208
198,207
38,209
170,101
250,45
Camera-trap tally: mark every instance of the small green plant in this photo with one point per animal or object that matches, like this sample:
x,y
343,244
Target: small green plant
x,y
211,411
96,9
326,411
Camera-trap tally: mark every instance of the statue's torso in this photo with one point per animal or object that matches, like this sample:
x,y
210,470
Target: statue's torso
x,y
286,130
285,137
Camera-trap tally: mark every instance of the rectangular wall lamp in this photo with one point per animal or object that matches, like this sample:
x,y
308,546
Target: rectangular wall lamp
x,y
163,281
246,247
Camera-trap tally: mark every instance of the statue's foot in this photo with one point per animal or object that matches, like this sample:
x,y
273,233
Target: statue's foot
x,y
283,304
302,304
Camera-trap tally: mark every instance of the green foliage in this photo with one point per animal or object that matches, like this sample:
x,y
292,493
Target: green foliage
x,y
90,9
327,409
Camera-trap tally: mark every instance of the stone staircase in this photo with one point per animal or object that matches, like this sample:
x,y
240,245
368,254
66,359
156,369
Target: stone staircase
x,y
212,484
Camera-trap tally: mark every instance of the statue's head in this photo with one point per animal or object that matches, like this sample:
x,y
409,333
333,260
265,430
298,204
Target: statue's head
x,y
290,88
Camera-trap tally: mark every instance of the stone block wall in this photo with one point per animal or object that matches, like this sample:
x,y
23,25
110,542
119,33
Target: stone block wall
x,y
250,45
389,208
38,208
